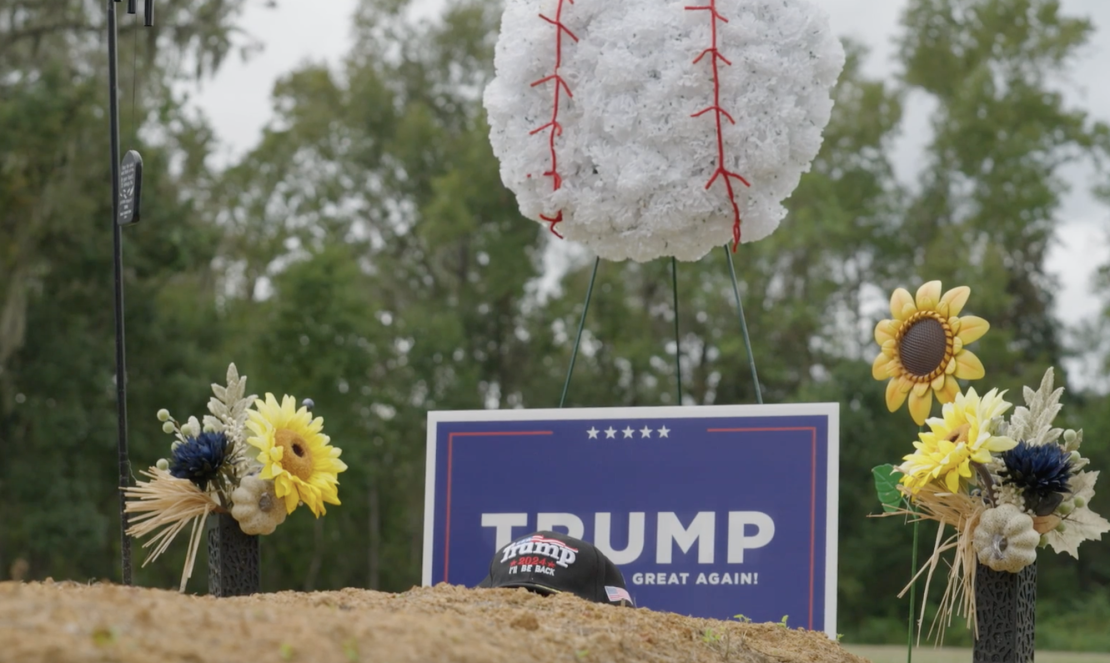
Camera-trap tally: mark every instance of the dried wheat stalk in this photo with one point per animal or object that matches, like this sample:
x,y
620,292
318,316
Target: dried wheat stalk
x,y
166,505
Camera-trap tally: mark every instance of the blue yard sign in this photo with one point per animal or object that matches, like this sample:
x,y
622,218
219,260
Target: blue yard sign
x,y
710,511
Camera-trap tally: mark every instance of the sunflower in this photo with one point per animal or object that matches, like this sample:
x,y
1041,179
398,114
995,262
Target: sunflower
x,y
923,348
965,434
295,454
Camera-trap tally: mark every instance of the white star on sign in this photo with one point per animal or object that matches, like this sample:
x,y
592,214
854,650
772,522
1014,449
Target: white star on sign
x,y
663,432
610,432
593,433
628,432
645,432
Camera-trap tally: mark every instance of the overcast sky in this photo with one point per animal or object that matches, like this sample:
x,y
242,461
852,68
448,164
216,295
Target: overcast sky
x,y
238,103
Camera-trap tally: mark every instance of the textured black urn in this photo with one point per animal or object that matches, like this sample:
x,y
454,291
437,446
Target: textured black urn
x,y
1006,607
234,558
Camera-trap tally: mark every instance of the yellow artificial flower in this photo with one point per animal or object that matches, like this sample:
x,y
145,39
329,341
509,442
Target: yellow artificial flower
x,y
923,348
963,435
295,454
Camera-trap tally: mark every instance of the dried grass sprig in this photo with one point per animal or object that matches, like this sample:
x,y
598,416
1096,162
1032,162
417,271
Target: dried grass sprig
x,y
166,505
961,512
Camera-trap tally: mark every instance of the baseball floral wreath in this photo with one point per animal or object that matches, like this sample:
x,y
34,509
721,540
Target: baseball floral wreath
x,y
641,128
1007,486
255,459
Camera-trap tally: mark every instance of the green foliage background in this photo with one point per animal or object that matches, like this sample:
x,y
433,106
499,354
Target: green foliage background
x,y
365,254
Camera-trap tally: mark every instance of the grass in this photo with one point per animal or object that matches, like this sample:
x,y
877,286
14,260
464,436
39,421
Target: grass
x,y
897,654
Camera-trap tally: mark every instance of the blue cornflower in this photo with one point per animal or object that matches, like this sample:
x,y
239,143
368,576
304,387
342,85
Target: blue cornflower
x,y
1041,472
199,459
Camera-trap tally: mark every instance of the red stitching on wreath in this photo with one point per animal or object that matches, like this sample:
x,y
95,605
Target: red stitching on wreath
x,y
715,57
553,125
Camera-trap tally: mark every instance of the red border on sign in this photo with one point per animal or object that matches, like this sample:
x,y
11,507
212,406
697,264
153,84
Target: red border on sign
x,y
812,495
450,446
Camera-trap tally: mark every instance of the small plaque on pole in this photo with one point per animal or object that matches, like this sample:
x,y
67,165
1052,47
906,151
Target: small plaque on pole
x,y
130,188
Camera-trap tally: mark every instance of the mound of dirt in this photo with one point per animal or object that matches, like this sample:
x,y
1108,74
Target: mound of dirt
x,y
66,622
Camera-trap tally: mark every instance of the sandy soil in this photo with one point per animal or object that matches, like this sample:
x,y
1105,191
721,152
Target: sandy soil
x,y
64,622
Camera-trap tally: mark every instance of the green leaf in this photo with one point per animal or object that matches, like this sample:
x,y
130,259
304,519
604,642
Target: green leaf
x,y
350,649
103,636
886,486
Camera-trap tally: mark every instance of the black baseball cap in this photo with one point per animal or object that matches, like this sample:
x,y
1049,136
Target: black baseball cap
x,y
553,563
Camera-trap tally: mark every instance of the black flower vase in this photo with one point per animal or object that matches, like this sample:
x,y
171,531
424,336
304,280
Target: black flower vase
x,y
1006,611
234,558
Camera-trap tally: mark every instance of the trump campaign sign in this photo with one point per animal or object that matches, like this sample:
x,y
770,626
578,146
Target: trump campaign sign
x,y
711,511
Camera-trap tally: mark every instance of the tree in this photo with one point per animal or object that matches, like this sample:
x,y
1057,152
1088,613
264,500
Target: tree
x,y
991,191
57,492
365,255
381,268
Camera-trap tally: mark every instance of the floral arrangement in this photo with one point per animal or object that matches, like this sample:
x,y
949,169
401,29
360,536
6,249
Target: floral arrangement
x,y
643,129
255,459
1007,486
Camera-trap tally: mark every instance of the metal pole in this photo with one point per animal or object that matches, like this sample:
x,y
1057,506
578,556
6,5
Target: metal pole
x,y
744,327
677,338
578,338
117,247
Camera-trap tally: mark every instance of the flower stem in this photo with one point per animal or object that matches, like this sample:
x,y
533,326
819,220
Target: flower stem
x,y
986,481
913,579
913,590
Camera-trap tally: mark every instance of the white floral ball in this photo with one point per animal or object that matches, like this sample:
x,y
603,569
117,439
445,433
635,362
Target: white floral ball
x,y
634,156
